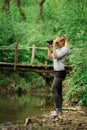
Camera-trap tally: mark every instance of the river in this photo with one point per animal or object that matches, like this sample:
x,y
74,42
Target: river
x,y
16,109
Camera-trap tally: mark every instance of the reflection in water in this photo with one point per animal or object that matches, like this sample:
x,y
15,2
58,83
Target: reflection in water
x,y
16,109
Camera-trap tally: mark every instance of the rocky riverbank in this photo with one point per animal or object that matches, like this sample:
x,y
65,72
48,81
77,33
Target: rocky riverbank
x,y
69,120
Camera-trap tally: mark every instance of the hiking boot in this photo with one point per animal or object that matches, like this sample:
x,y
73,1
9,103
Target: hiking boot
x,y
56,112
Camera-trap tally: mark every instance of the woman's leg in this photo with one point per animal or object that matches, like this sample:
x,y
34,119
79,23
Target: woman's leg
x,y
57,93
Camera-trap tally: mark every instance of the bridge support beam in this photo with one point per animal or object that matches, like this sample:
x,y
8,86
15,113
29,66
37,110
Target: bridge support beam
x,y
33,54
16,56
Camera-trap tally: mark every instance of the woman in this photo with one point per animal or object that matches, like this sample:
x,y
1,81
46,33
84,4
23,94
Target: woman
x,y
60,52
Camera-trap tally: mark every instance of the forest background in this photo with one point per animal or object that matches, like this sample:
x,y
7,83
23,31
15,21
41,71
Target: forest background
x,y
29,22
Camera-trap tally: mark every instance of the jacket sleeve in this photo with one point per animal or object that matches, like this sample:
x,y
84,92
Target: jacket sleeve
x,y
63,52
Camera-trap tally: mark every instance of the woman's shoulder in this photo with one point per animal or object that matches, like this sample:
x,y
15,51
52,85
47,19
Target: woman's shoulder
x,y
66,49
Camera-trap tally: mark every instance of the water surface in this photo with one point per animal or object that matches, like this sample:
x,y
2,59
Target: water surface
x,y
16,109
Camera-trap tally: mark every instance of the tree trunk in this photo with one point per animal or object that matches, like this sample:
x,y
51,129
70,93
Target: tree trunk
x,y
20,10
6,5
41,9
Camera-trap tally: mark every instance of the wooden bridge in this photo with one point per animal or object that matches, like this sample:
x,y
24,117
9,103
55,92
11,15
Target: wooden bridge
x,y
43,69
46,71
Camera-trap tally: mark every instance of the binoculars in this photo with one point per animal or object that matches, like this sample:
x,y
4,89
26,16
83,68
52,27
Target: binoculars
x,y
50,42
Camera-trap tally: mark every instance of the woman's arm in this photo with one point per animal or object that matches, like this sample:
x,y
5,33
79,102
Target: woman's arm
x,y
54,49
49,53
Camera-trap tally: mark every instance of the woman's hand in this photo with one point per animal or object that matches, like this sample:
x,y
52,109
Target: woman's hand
x,y
55,41
54,49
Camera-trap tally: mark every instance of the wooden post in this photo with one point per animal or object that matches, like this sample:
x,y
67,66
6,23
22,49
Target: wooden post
x,y
33,54
45,64
16,56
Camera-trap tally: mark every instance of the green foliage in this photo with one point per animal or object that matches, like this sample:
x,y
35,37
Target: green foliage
x,y
28,80
60,17
6,30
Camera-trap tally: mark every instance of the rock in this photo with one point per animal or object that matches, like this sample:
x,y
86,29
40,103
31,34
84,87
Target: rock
x,y
27,122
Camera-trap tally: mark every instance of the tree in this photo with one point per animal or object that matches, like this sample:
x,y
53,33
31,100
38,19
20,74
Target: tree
x,y
6,5
20,9
41,9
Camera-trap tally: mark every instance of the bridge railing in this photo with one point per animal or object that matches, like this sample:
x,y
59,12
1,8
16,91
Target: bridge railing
x,y
16,48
